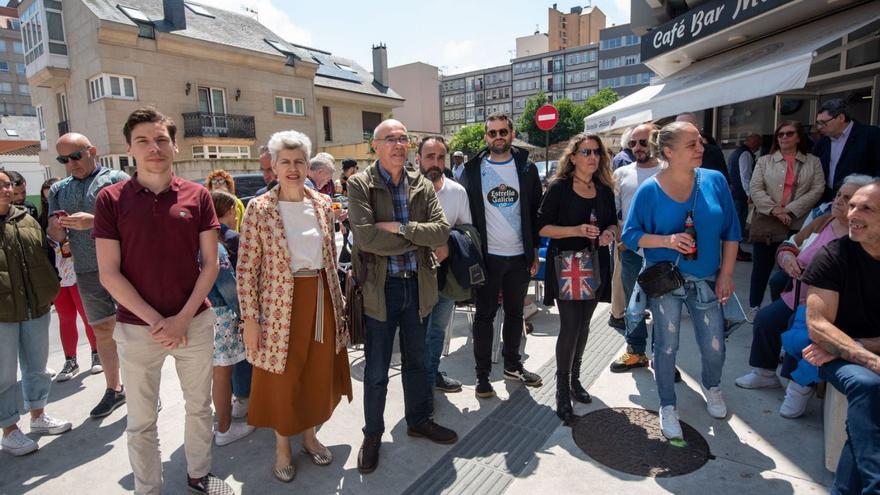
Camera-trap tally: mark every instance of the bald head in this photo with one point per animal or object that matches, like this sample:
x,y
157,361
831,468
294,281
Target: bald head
x,y
77,151
390,146
382,129
640,144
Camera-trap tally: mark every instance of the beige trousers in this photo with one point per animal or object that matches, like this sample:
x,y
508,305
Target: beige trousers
x,y
618,298
141,360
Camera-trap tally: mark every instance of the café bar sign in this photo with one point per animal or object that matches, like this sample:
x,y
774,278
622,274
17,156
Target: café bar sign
x,y
702,21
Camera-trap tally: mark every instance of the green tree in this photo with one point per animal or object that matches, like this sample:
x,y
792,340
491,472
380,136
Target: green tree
x,y
571,116
468,139
599,101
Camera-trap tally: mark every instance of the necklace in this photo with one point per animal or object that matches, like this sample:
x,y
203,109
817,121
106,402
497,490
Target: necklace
x,y
588,184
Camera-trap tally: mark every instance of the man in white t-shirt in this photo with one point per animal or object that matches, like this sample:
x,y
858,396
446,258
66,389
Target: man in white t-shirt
x,y
504,193
629,178
431,158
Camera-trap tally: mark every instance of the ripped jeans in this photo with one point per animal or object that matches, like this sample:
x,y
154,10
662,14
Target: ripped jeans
x,y
708,322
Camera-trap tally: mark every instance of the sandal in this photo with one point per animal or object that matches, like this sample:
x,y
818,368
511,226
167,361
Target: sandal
x,y
285,474
319,458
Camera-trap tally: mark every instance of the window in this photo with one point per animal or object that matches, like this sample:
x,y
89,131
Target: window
x,y
289,106
207,151
19,68
625,40
28,110
112,86
11,132
328,128
2,45
14,24
5,88
4,66
371,120
198,9
146,28
116,162
24,89
17,47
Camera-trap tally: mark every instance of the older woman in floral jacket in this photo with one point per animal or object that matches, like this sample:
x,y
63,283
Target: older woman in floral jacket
x,y
292,307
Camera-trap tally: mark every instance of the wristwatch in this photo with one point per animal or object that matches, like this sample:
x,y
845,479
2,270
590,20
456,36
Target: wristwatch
x,y
401,229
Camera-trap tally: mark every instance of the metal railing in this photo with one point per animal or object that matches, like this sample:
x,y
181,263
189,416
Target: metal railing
x,y
224,125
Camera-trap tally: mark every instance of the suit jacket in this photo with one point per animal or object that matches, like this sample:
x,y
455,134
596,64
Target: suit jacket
x,y
861,155
265,278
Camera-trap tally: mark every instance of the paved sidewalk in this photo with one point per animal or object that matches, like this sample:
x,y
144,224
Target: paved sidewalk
x,y
519,446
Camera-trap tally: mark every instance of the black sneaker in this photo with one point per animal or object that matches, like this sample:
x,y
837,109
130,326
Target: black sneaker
x,y
69,370
618,323
522,375
432,431
209,484
484,388
446,384
111,400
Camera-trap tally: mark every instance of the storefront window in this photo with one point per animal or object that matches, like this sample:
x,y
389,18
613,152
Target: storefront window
x,y
828,65
737,121
866,53
858,103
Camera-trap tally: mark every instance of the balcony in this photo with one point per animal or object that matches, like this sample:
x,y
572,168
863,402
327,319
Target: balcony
x,y
63,127
218,125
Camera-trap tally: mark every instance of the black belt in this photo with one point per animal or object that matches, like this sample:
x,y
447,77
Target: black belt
x,y
403,274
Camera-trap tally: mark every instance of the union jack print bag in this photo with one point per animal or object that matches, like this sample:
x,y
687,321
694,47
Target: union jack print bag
x,y
577,273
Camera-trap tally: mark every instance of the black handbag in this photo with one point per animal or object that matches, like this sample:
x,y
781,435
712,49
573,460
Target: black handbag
x,y
665,277
354,304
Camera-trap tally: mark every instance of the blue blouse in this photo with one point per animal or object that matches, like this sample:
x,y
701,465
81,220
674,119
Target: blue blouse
x,y
653,212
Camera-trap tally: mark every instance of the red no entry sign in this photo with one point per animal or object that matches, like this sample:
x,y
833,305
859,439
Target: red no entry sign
x,y
546,117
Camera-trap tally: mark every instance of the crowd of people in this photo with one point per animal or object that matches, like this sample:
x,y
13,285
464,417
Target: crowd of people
x,y
249,301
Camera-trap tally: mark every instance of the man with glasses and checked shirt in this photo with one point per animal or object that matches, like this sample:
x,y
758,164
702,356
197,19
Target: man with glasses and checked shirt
x,y
504,193
71,217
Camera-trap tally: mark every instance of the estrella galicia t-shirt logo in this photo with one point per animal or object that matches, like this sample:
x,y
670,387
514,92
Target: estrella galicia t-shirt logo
x,y
502,196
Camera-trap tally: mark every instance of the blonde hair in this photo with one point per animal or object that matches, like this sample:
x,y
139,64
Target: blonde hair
x,y
566,165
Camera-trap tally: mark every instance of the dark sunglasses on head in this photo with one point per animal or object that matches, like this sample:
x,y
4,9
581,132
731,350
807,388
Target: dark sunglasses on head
x,y
75,156
588,152
781,134
641,142
499,132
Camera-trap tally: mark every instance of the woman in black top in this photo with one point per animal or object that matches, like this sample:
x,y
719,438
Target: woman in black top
x,y
582,187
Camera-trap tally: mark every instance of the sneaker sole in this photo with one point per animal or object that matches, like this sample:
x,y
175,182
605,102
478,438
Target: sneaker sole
x,y
52,431
115,406
485,395
95,370
419,435
775,385
221,443
626,368
448,390
23,450
63,378
520,380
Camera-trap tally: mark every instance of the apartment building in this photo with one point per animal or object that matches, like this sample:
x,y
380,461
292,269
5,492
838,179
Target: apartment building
x,y
580,26
227,81
15,94
419,84
620,64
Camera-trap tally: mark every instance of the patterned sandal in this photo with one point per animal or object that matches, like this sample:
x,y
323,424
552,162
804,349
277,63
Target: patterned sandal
x,y
285,474
322,458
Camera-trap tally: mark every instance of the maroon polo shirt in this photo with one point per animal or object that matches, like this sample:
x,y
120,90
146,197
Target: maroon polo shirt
x,y
158,236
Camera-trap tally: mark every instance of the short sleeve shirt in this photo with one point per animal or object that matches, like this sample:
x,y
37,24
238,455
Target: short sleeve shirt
x,y
844,267
501,200
78,195
158,236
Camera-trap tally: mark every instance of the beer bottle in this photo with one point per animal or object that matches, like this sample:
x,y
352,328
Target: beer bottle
x,y
690,230
595,223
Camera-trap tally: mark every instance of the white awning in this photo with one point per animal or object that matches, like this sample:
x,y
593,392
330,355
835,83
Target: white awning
x,y
766,67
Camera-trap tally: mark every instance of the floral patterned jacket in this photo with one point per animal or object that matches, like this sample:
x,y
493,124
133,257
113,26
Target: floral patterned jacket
x,y
265,280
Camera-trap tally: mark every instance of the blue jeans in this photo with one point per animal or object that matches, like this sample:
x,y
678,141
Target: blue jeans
x,y
241,379
770,323
438,320
402,309
26,343
706,314
636,329
858,471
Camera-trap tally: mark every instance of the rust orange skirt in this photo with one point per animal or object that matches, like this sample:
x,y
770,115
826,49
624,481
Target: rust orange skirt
x,y
315,377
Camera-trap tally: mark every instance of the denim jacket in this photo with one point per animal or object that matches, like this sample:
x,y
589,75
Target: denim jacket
x,y
224,292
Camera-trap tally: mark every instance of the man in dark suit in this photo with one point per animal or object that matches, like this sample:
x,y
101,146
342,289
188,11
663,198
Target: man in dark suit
x,y
846,147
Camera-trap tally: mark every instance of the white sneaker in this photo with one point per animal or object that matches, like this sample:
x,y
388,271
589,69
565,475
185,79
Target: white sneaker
x,y
753,312
236,431
16,443
715,402
757,379
47,425
796,400
669,424
239,407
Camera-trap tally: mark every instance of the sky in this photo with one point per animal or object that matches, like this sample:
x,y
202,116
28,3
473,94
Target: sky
x,y
454,35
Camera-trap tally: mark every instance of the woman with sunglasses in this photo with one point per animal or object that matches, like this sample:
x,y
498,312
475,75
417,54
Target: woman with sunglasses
x,y
785,186
220,180
28,284
577,211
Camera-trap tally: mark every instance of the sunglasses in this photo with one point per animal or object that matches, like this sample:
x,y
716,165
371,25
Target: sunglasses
x,y
500,132
788,134
75,156
588,152
641,142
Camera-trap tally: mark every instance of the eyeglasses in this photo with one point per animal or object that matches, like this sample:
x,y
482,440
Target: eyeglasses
x,y
75,156
788,134
822,123
641,142
588,152
499,132
392,140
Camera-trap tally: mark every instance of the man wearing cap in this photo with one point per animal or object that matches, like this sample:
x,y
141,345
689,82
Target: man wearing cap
x,y
457,165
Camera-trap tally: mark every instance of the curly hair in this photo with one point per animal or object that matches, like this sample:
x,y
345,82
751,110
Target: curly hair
x,y
230,184
565,169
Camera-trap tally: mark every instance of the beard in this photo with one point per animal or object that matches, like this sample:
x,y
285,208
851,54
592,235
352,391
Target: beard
x,y
433,174
500,150
645,158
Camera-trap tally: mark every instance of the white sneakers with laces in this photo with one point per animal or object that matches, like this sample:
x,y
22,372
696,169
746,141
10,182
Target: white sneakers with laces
x,y
236,431
669,425
47,425
715,402
758,378
17,443
239,407
796,399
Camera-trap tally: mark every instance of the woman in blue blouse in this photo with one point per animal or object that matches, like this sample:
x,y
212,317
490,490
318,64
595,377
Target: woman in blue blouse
x,y
656,223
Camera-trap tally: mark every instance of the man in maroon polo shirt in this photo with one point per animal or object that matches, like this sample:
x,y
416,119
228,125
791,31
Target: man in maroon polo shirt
x,y
156,241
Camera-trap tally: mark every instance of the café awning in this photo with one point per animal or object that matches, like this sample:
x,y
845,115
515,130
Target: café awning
x,y
766,67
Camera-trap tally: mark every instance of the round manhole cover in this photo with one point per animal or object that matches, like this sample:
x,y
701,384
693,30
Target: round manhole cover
x,y
629,440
